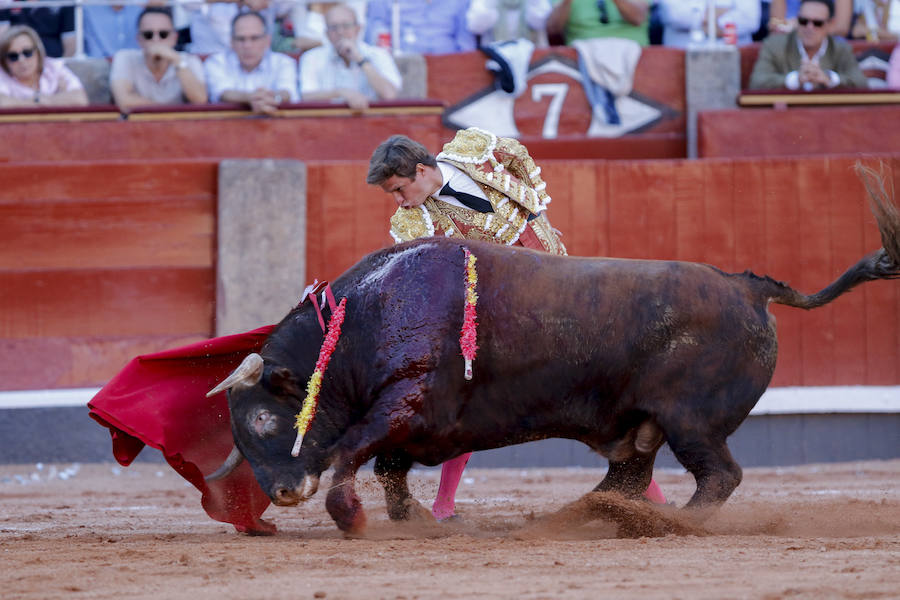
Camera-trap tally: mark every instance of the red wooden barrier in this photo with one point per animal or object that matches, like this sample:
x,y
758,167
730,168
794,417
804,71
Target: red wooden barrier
x,y
105,261
797,131
101,262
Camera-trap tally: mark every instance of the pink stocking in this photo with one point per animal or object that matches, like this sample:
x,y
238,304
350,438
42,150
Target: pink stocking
x,y
451,473
654,494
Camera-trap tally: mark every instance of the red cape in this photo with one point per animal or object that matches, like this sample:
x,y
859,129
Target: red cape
x,y
160,400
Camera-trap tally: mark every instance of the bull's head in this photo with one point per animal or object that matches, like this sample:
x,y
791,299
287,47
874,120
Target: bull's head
x,y
263,401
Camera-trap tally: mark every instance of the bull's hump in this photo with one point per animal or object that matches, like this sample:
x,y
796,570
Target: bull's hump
x,y
392,261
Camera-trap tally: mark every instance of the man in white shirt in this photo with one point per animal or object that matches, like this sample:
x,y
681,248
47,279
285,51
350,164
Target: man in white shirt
x,y
250,73
156,74
347,69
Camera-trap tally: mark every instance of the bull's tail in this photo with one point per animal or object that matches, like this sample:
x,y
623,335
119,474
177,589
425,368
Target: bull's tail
x,y
881,264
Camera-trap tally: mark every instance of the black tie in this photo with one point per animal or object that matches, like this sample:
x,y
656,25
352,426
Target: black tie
x,y
469,200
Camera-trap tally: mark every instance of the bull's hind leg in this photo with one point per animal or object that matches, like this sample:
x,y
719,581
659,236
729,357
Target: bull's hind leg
x,y
710,462
391,471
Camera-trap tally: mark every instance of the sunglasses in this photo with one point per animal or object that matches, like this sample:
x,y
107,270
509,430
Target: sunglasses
x,y
604,15
14,56
148,35
803,22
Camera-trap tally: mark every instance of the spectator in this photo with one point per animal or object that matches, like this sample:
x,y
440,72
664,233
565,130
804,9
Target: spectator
x,y
893,74
879,20
585,19
347,69
499,21
54,24
807,58
110,28
250,73
304,26
210,22
783,17
29,78
156,74
423,27
680,18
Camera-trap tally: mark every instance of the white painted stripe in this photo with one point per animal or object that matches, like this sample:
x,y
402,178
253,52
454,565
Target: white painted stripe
x,y
831,399
47,398
776,401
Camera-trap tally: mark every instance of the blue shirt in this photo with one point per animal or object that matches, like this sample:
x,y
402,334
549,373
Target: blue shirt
x,y
426,26
106,31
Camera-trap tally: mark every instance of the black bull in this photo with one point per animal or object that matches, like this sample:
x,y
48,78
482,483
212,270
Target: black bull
x,y
623,355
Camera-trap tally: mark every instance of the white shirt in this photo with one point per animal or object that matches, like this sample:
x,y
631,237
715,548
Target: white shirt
x,y
276,71
483,15
460,182
322,70
680,16
792,79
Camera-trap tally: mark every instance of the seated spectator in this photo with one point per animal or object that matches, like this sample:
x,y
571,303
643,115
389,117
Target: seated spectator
x,y
250,73
879,21
783,17
424,27
347,69
29,78
807,58
304,26
499,21
55,26
585,19
156,74
893,74
110,28
210,22
682,18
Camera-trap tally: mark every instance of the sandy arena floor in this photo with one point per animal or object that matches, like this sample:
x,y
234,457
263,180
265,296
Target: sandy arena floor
x,y
100,531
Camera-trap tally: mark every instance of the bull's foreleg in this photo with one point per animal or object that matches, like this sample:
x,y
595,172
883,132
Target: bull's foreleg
x,y
359,444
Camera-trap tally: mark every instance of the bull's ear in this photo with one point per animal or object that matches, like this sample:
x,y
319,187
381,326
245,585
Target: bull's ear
x,y
283,383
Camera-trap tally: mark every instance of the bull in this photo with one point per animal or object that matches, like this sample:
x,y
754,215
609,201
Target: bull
x,y
622,355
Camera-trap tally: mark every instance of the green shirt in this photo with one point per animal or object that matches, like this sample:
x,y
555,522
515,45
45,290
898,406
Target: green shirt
x,y
584,22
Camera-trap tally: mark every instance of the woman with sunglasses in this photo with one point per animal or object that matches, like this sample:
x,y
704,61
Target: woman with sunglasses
x,y
30,78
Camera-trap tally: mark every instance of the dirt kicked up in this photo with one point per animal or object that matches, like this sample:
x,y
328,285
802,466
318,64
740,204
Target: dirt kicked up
x,y
100,531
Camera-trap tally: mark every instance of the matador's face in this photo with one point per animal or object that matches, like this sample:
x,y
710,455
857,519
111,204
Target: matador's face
x,y
410,192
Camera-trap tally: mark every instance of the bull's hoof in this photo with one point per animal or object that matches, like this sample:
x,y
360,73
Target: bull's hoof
x,y
417,513
355,528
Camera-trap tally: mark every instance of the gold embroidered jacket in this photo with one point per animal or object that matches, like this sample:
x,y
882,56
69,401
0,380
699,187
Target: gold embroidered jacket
x,y
512,183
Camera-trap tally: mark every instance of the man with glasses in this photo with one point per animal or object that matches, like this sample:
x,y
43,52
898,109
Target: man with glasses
x,y
250,73
347,69
807,58
156,74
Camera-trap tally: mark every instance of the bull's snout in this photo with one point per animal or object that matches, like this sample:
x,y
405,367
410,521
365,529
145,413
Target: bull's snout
x,y
285,497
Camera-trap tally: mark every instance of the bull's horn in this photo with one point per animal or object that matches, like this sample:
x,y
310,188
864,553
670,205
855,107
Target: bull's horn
x,y
231,463
249,373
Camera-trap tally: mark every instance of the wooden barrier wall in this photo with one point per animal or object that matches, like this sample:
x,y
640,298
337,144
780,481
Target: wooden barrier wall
x,y
798,131
100,262
104,261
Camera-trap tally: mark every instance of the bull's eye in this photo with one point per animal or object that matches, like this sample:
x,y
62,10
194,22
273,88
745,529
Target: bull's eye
x,y
264,423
